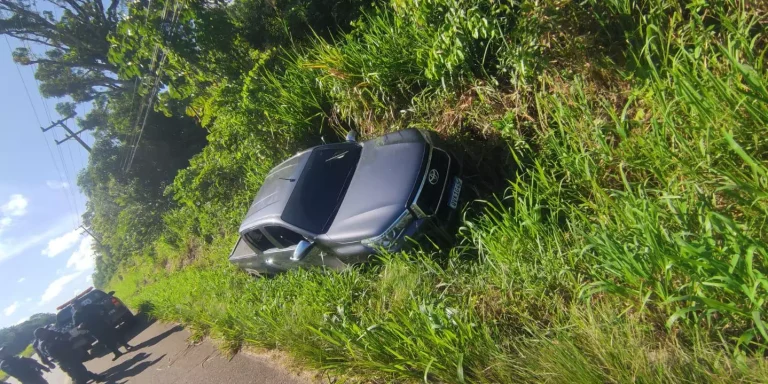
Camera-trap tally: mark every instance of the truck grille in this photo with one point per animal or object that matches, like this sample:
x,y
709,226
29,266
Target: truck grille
x,y
430,194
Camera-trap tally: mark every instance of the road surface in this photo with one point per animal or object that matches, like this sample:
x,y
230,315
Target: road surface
x,y
163,355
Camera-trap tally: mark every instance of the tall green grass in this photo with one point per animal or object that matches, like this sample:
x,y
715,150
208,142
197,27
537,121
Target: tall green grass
x,y
627,245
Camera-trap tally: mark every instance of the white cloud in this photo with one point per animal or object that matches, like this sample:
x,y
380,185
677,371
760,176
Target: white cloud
x,y
9,310
57,286
61,243
16,206
28,299
82,259
5,222
13,247
89,279
21,280
52,184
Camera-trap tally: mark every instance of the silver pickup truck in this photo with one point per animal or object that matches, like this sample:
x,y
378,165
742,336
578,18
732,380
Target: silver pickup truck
x,y
338,204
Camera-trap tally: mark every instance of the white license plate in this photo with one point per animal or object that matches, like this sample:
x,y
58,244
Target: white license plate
x,y
455,193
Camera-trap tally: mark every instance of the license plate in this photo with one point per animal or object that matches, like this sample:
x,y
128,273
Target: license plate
x,y
454,202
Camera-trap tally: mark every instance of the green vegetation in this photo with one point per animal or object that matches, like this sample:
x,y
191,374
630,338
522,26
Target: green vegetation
x,y
17,338
615,149
28,351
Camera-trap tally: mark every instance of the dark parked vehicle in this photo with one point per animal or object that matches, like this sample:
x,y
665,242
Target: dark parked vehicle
x,y
118,314
337,204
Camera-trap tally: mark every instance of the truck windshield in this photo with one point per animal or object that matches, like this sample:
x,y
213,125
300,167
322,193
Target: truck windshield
x,y
321,187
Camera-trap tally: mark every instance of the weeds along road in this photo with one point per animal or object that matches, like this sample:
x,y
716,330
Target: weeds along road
x,y
165,356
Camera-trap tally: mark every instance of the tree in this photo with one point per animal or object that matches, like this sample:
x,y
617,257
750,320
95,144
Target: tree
x,y
17,337
76,47
125,206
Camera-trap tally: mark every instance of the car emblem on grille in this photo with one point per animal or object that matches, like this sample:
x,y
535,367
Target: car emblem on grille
x,y
433,176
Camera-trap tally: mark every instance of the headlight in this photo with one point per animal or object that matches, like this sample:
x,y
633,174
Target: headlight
x,y
390,238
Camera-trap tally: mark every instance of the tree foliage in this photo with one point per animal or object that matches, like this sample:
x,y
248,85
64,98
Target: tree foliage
x,y
156,72
125,205
75,60
17,337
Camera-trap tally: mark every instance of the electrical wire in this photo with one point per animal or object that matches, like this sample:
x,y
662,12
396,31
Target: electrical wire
x,y
70,181
158,72
39,123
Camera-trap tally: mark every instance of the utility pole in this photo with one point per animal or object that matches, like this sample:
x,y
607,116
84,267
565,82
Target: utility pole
x,y
72,135
90,233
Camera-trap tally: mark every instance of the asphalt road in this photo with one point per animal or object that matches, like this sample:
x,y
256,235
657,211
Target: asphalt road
x,y
163,355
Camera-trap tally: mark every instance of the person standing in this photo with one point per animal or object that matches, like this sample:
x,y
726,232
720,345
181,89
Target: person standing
x,y
43,358
24,369
57,346
92,318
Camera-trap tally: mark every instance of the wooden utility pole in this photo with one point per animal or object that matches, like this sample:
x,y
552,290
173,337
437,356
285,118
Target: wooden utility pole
x,y
72,135
90,233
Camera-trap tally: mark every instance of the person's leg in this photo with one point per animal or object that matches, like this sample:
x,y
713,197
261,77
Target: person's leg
x,y
109,341
115,351
82,373
96,376
123,342
72,373
37,380
112,346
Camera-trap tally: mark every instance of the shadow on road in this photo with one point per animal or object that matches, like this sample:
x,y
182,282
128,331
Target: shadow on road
x,y
158,338
141,322
130,368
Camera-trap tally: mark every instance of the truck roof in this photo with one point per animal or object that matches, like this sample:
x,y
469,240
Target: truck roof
x,y
80,295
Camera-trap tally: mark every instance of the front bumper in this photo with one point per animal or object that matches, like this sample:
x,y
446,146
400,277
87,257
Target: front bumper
x,y
116,314
261,264
432,193
432,208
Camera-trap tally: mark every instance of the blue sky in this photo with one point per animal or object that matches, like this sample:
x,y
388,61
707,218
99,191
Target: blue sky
x,y
44,258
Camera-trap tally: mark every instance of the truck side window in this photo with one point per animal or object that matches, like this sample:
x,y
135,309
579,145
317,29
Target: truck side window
x,y
284,236
258,240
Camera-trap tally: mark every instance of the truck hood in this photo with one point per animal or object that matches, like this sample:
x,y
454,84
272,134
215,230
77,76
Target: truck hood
x,y
381,186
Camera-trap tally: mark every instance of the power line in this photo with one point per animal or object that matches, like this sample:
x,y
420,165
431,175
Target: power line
x,y
158,71
151,100
37,118
66,174
70,182
155,89
71,194
80,157
74,169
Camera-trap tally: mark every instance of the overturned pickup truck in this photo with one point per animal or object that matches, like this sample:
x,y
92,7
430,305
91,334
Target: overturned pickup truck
x,y
338,204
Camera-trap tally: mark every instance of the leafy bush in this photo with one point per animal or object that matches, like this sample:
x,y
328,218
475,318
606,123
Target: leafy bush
x,y
626,246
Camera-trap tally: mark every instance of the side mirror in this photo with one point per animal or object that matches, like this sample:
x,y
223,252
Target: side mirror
x,y
352,136
303,248
111,293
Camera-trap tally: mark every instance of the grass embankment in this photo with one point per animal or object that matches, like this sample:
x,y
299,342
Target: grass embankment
x,y
628,243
